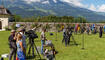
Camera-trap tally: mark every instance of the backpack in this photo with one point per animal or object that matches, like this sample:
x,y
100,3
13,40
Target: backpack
x,y
2,59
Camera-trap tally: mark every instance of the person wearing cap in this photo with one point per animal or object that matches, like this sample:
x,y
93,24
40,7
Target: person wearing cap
x,y
12,44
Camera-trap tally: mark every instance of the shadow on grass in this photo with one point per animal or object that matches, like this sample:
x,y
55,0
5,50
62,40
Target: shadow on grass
x,y
30,57
74,44
34,58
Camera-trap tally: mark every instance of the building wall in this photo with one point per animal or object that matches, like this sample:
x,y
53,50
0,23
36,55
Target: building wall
x,y
4,22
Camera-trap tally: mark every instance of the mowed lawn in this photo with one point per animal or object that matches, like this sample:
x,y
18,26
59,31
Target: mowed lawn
x,y
94,46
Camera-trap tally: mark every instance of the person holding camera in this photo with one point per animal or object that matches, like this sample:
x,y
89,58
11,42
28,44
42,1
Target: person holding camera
x,y
100,31
43,38
64,34
12,44
67,40
69,33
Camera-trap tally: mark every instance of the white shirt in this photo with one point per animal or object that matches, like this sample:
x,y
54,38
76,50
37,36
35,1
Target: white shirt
x,y
42,36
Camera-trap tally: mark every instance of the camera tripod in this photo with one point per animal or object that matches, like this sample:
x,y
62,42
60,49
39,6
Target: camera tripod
x,y
73,40
32,46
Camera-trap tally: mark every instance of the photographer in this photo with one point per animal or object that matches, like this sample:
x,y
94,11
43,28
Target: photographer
x,y
100,31
64,34
69,34
12,44
69,31
67,37
82,29
43,38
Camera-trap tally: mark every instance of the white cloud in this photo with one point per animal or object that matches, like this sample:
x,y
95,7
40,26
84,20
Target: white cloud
x,y
75,2
45,2
92,7
55,1
30,1
101,8
42,1
98,8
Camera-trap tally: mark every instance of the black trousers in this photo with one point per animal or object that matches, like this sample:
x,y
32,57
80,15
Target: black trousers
x,y
100,34
12,53
67,40
63,39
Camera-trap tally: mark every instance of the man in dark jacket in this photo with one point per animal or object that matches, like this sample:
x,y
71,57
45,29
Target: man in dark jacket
x,y
100,31
64,34
12,44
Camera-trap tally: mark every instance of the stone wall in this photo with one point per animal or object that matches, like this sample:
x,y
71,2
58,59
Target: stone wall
x,y
29,24
52,29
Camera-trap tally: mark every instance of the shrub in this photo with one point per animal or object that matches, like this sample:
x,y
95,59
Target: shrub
x,y
7,28
13,26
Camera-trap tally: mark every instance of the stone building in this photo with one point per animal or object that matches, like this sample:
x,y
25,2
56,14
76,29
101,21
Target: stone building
x,y
4,17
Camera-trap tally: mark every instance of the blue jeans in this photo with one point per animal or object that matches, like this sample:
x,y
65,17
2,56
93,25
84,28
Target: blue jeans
x,y
42,43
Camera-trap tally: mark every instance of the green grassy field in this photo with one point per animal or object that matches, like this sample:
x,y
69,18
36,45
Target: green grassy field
x,y
94,47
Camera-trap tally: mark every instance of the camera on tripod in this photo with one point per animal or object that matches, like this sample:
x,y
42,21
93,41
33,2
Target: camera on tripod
x,y
70,29
31,34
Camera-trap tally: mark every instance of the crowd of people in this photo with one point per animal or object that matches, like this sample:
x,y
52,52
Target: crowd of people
x,y
67,33
80,29
49,54
18,46
17,43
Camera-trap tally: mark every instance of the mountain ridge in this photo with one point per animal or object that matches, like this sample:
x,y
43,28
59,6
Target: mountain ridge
x,y
57,8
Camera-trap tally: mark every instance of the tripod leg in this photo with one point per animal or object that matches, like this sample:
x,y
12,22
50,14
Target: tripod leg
x,y
33,50
29,50
74,40
63,39
69,41
37,51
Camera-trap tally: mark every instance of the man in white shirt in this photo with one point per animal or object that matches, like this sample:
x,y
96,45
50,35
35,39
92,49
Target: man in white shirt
x,y
43,38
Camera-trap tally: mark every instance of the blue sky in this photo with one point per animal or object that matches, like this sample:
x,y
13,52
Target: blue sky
x,y
95,2
94,5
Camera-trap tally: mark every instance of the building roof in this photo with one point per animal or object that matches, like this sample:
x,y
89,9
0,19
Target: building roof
x,y
4,11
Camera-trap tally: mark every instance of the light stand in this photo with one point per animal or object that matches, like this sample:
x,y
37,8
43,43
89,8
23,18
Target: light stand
x,y
83,42
83,36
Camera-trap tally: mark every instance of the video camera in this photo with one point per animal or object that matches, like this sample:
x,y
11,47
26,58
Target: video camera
x,y
70,30
31,34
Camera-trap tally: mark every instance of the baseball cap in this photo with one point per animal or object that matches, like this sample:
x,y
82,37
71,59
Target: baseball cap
x,y
12,31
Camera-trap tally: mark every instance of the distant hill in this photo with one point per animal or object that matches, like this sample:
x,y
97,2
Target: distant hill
x,y
101,13
50,7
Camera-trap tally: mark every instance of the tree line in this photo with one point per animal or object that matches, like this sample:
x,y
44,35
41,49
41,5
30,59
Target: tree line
x,y
66,19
